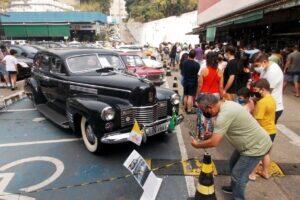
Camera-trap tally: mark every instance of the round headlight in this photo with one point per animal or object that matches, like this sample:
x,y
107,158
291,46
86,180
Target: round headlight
x,y
107,113
175,99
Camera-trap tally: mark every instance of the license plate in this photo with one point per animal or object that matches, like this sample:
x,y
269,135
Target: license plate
x,y
157,129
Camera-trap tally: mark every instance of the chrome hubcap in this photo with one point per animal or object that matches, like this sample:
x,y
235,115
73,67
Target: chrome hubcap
x,y
90,135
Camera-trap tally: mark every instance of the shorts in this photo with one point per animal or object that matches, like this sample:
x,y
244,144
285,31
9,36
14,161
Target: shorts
x,y
2,70
190,89
273,137
12,72
277,115
292,77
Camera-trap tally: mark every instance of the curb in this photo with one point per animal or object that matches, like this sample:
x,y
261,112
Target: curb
x,y
8,100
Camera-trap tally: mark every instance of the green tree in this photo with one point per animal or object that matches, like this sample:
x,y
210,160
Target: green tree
x,y
148,10
95,5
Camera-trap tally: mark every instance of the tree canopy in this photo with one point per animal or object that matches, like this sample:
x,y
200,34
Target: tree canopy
x,y
95,5
148,10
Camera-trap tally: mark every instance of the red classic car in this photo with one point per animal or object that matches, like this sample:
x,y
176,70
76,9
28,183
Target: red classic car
x,y
136,65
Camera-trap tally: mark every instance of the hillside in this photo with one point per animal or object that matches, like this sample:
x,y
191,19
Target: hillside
x,y
148,10
95,5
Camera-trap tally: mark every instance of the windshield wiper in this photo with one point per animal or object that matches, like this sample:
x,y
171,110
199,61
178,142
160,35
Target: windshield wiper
x,y
105,69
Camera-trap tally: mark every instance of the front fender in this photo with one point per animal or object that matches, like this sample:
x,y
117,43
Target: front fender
x,y
90,108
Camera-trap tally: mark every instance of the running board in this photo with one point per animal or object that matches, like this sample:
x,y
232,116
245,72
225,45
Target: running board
x,y
53,115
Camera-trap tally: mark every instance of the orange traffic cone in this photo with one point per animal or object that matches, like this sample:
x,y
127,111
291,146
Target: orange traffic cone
x,y
205,188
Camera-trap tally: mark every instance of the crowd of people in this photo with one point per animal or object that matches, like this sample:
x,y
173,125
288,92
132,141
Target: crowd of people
x,y
8,68
239,92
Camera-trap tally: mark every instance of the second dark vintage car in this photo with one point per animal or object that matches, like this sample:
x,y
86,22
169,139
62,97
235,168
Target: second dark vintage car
x,y
85,91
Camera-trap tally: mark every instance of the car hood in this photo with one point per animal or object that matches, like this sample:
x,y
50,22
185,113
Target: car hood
x,y
119,85
112,80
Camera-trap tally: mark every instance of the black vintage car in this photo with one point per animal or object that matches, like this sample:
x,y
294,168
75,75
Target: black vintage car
x,y
84,90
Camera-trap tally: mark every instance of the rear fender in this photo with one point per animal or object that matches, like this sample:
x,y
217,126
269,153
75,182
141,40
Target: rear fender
x,y
33,91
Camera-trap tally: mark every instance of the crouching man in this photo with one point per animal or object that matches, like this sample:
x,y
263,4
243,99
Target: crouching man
x,y
250,141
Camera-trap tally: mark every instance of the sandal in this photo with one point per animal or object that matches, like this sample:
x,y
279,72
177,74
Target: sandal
x,y
265,176
252,177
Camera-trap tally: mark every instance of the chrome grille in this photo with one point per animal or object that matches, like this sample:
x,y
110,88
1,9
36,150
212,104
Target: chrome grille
x,y
144,115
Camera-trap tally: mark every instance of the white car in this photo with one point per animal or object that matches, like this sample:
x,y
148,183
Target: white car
x,y
153,63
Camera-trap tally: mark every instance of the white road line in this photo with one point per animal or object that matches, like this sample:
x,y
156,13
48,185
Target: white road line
x,y
18,110
39,142
290,134
190,184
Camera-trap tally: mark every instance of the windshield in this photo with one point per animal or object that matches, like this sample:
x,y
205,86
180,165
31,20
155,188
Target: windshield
x,y
93,62
30,49
133,61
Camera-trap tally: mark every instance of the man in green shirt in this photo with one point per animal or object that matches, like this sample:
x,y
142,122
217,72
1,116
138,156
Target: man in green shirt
x,y
250,140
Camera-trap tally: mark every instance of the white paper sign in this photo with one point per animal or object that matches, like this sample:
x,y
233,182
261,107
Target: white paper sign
x,y
150,183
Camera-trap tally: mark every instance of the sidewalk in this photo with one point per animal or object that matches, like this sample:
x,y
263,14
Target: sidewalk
x,y
7,96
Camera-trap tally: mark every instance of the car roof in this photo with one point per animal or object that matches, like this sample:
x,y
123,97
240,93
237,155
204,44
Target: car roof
x,y
67,52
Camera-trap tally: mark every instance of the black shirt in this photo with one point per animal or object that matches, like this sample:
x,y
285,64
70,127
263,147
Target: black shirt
x,y
231,69
190,71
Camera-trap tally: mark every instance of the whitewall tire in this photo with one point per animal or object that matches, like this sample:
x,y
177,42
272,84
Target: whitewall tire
x,y
89,138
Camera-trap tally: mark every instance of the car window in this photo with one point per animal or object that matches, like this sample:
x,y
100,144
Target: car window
x,y
45,62
111,61
19,51
85,63
134,61
56,65
30,49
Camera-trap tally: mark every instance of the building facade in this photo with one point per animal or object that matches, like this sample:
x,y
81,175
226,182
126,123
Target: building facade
x,y
269,23
38,6
117,11
52,25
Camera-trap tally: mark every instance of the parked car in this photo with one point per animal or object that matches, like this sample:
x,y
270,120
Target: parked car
x,y
152,63
24,67
26,51
134,49
51,44
136,65
81,89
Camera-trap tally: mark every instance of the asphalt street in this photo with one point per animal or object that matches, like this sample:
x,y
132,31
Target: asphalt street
x,y
37,150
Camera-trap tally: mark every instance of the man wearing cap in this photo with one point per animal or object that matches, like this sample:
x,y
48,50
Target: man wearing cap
x,y
250,140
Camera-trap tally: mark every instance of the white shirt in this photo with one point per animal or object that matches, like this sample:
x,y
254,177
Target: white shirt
x,y
10,63
275,77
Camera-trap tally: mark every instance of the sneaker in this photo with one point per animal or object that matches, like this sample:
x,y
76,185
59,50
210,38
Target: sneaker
x,y
227,189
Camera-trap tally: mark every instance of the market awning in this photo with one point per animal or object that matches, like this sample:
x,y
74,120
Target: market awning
x,y
61,30
211,33
249,17
196,31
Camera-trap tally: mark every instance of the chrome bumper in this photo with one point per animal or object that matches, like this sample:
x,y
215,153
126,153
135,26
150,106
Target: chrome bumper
x,y
119,137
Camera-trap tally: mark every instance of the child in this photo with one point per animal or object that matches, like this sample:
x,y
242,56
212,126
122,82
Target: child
x,y
264,113
244,99
11,67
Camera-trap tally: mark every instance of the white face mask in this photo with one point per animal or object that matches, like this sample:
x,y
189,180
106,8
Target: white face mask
x,y
259,69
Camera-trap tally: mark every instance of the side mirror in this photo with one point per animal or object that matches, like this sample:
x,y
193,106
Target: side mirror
x,y
24,54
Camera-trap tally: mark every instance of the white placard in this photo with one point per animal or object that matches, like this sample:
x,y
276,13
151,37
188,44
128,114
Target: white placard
x,y
150,183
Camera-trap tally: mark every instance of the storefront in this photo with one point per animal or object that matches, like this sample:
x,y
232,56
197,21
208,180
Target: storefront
x,y
52,25
267,23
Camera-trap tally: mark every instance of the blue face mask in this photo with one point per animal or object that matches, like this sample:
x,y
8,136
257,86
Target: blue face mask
x,y
241,101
